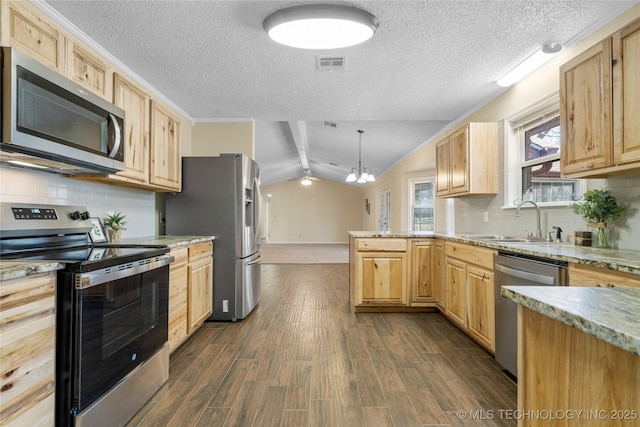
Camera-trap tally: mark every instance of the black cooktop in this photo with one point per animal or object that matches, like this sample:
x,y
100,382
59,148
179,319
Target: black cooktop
x,y
86,258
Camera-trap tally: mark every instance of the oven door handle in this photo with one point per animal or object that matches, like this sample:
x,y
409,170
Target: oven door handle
x,y
98,277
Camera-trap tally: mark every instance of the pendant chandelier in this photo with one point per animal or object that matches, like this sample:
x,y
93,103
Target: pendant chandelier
x,y
360,175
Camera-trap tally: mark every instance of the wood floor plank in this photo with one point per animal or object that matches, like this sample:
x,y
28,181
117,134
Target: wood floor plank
x,y
247,404
423,401
370,391
270,411
305,358
377,417
323,413
295,418
299,387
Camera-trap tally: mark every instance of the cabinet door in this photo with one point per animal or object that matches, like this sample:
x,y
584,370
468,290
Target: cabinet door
x,y
458,161
442,168
200,298
440,284
165,148
178,281
25,28
456,292
27,350
585,112
422,273
382,277
481,322
135,102
89,71
626,94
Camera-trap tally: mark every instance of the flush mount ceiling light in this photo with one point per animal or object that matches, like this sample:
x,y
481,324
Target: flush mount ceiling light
x,y
528,65
320,26
360,175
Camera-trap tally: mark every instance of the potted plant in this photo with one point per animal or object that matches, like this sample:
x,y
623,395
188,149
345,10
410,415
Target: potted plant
x,y
598,207
115,223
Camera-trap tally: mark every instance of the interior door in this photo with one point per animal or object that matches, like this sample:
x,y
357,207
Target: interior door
x,y
384,210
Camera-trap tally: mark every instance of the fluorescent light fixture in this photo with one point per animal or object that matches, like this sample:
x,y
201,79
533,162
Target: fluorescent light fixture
x,y
26,164
530,64
320,26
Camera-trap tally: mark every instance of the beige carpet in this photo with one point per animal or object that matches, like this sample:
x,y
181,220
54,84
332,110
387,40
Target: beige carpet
x,y
304,253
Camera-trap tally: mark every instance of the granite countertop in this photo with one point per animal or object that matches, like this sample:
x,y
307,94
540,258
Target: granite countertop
x,y
12,269
626,261
610,314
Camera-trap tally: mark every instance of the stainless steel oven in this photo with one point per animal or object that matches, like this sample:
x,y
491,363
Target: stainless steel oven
x,y
110,321
111,313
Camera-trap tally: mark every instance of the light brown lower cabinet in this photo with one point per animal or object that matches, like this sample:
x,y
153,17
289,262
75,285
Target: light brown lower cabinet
x,y
190,290
584,275
564,370
470,291
199,287
440,284
422,273
27,351
378,274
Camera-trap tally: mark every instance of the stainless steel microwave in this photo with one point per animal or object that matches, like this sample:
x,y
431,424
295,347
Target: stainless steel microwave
x,y
52,124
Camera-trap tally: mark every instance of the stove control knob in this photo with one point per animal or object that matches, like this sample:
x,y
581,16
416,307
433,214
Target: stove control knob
x,y
84,215
75,215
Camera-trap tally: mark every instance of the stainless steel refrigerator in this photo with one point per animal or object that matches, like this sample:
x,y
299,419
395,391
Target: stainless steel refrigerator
x,y
221,197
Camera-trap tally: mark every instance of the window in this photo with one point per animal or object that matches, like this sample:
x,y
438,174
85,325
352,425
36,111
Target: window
x,y
533,157
421,209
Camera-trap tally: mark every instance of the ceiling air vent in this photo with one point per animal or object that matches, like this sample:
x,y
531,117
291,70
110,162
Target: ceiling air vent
x,y
327,63
329,124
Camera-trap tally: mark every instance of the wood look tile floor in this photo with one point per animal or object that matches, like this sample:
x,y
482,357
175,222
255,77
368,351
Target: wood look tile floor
x,y
304,358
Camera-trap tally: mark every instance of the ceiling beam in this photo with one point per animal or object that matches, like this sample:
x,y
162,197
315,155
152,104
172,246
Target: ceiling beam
x,y
299,133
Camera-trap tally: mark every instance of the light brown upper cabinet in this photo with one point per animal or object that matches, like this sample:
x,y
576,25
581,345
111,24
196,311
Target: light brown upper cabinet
x,y
89,70
26,28
135,102
165,148
599,101
467,161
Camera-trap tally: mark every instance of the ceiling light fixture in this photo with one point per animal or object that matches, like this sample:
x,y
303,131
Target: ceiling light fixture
x,y
320,26
360,175
528,65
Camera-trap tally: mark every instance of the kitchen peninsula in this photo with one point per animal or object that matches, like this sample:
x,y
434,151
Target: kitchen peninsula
x,y
579,355
454,274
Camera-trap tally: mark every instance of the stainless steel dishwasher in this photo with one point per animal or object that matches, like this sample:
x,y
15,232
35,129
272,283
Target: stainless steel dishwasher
x,y
519,270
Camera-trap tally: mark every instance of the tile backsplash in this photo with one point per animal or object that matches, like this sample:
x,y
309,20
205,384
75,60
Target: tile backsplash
x,y
24,186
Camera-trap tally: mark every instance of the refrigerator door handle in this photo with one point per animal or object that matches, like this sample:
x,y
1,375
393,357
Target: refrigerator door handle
x,y
255,261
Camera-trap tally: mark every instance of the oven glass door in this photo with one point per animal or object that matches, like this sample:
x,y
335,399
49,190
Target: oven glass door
x,y
120,324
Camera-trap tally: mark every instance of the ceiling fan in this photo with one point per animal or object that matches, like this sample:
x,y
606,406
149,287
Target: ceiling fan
x,y
307,179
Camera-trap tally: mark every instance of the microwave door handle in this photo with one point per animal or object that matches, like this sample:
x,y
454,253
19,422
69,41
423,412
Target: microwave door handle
x,y
116,137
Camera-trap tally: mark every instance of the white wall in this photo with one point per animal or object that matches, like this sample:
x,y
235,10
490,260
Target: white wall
x,y
467,214
320,213
24,186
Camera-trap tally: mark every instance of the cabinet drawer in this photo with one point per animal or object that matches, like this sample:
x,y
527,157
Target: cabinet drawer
x,y
181,256
198,250
382,244
582,275
471,254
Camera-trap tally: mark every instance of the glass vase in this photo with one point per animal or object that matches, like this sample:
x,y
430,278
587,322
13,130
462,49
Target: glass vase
x,y
601,236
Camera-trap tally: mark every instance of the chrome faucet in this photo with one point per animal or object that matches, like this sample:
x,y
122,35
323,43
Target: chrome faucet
x,y
539,231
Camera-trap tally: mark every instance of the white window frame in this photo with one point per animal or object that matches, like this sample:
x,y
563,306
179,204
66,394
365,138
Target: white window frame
x,y
385,192
412,183
541,111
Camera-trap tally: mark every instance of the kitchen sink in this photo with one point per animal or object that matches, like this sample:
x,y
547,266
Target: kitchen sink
x,y
502,238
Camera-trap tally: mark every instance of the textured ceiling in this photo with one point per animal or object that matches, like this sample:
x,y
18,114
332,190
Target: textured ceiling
x,y
429,63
